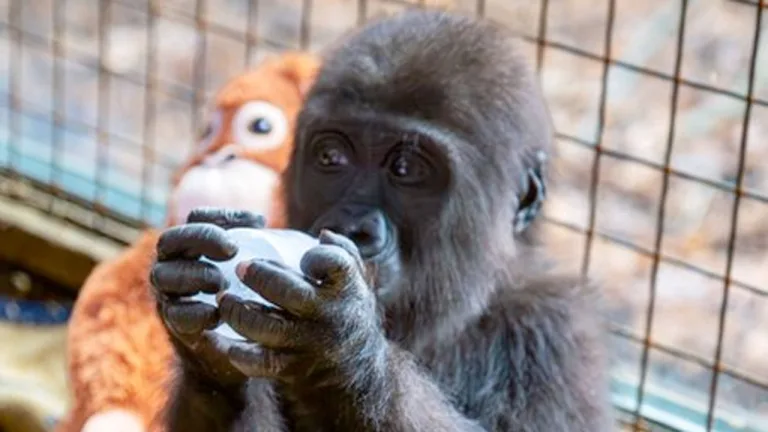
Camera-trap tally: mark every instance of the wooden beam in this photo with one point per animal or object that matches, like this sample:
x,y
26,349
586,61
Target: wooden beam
x,y
49,247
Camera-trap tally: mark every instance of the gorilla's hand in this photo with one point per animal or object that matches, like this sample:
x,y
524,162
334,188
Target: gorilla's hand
x,y
178,273
328,324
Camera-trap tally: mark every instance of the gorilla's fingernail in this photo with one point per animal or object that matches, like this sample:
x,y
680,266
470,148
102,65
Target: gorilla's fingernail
x,y
220,296
225,299
327,236
241,269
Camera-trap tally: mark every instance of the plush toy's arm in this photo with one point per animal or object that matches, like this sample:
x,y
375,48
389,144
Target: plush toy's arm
x,y
118,351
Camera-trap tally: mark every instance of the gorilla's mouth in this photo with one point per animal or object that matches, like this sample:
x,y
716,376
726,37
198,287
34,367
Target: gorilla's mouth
x,y
382,253
374,236
382,269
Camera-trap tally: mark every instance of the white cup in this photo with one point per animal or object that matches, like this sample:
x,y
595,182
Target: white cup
x,y
280,245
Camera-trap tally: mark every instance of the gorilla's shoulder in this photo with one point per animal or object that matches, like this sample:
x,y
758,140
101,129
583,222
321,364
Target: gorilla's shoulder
x,y
557,298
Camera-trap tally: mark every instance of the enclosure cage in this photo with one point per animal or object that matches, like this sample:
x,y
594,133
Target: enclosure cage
x,y
661,110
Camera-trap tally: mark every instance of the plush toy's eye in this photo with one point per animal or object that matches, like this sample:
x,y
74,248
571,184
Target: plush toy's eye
x,y
211,129
259,125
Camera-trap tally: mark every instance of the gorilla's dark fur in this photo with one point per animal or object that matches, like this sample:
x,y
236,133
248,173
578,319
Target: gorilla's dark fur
x,y
420,141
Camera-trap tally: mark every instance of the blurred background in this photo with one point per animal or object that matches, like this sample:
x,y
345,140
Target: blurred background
x,y
661,108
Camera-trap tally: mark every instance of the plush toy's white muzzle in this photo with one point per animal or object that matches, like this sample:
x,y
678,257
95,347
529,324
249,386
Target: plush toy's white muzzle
x,y
224,180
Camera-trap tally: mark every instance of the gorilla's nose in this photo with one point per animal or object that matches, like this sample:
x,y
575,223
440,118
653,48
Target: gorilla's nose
x,y
365,226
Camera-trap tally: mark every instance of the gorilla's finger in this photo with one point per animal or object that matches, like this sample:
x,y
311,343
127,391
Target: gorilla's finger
x,y
227,218
193,240
212,348
186,277
331,238
256,323
256,361
332,265
279,284
188,317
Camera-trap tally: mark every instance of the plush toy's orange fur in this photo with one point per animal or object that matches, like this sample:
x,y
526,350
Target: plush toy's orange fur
x,y
272,92
119,354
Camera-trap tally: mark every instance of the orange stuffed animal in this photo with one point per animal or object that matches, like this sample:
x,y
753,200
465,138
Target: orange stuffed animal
x,y
119,355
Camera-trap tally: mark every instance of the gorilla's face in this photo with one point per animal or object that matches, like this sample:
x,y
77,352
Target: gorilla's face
x,y
380,185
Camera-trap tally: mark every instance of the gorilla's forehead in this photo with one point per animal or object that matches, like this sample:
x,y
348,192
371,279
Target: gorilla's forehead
x,y
372,128
407,91
460,130
461,92
367,125
427,61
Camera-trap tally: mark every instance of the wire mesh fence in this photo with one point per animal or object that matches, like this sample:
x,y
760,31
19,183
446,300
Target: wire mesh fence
x,y
661,109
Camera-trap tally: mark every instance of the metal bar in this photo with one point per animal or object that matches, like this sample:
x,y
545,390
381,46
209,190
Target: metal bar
x,y
595,176
102,106
41,188
480,8
58,107
251,39
199,65
14,77
305,26
754,3
735,217
362,11
540,45
148,147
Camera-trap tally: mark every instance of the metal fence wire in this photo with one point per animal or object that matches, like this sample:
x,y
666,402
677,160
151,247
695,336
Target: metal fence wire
x,y
661,109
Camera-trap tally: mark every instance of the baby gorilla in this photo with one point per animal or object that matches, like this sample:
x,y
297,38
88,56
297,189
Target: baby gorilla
x,y
418,160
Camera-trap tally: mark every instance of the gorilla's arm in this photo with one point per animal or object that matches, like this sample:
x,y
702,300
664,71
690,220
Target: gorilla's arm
x,y
532,363
390,394
196,404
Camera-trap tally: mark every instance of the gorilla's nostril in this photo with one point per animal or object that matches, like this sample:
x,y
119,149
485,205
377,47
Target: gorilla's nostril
x,y
364,225
369,244
361,238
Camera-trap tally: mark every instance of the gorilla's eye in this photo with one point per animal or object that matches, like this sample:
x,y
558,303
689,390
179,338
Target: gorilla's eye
x,y
400,167
260,126
408,169
330,151
332,157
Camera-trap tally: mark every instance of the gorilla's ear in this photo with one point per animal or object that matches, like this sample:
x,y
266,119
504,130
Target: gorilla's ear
x,y
532,195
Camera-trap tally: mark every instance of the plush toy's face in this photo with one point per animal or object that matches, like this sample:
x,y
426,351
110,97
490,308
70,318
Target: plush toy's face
x,y
246,143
